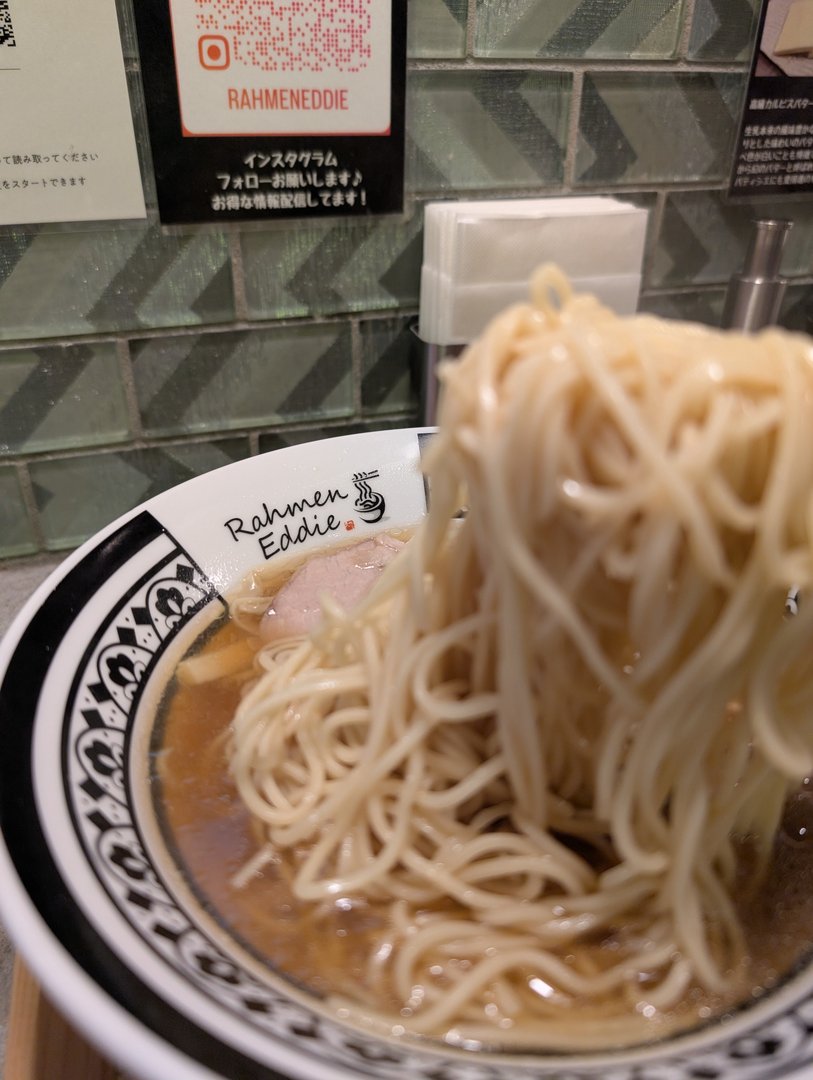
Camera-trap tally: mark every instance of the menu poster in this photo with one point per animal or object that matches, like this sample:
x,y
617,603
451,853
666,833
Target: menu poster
x,y
67,147
774,152
267,111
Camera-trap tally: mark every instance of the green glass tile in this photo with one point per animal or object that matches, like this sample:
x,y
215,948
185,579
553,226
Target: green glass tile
x,y
698,306
576,29
80,281
641,127
16,535
703,238
797,309
723,29
210,382
278,440
323,268
472,130
79,495
389,361
436,28
53,398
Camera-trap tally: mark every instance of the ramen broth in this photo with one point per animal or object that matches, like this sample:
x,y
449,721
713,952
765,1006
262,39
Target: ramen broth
x,y
214,837
327,947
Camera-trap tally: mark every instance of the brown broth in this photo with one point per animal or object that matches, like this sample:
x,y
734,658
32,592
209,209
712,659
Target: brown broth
x,y
324,948
318,946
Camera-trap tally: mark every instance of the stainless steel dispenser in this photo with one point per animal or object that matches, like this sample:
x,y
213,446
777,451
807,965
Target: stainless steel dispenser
x,y
755,295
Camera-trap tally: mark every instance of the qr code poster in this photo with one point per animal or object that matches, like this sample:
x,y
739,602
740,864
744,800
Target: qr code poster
x,y
272,109
66,129
271,67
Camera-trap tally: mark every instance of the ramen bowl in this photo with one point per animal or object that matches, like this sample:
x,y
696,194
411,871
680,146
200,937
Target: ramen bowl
x,y
93,894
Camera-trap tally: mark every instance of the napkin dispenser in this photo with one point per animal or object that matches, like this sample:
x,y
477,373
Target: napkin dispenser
x,y
479,256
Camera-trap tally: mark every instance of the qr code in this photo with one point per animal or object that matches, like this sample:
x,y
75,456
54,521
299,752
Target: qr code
x,y
292,35
6,29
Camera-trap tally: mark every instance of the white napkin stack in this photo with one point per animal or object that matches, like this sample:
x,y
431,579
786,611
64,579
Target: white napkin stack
x,y
478,257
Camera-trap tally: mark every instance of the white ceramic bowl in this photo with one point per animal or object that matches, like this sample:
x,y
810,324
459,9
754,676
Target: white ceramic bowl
x,y
89,890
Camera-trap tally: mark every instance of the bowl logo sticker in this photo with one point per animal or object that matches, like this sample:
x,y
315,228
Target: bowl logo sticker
x,y
277,527
370,505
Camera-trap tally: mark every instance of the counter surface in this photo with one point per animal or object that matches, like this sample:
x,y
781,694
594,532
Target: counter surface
x,y
17,582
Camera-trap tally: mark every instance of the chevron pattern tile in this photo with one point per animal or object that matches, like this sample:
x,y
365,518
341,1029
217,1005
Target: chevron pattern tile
x,y
723,29
278,440
54,398
651,127
486,129
797,309
576,29
695,306
83,281
703,238
389,356
211,382
323,268
77,496
128,362
16,534
436,28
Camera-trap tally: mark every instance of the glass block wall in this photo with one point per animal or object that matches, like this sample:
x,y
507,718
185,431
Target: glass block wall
x,y
132,358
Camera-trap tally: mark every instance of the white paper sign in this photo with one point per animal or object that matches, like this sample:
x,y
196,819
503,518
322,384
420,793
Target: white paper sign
x,y
323,68
67,146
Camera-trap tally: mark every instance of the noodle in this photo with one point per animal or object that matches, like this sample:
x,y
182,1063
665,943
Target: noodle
x,y
545,734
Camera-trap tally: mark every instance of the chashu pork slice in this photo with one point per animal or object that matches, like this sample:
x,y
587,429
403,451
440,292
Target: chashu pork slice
x,y
345,575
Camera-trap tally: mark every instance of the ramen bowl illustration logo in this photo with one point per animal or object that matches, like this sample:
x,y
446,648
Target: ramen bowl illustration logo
x,y
370,505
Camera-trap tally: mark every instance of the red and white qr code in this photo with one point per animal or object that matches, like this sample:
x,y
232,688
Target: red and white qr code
x,y
6,27
292,35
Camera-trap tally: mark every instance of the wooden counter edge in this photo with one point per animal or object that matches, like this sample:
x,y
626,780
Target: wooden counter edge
x,y
41,1044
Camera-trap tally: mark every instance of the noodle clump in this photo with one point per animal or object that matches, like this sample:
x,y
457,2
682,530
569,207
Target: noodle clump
x,y
546,734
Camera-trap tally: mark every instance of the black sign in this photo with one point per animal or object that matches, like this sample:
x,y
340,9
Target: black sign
x,y
273,111
774,153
